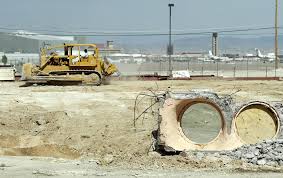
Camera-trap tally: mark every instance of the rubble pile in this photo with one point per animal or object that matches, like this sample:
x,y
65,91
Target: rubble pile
x,y
269,152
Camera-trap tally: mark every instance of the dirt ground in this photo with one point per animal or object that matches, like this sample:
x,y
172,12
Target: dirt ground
x,y
96,123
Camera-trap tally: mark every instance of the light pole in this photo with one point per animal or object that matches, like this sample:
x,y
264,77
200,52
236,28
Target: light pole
x,y
170,47
276,36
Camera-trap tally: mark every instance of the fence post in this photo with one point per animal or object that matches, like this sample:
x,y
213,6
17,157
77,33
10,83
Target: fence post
x,y
217,67
160,65
247,67
275,70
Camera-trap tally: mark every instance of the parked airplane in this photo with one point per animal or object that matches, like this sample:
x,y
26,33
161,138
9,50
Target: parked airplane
x,y
269,57
218,58
128,58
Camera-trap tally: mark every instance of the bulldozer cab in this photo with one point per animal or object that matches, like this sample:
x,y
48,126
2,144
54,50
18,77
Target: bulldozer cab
x,y
81,50
70,55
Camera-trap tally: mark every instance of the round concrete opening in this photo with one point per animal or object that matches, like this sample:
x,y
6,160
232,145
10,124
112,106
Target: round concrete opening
x,y
256,122
201,123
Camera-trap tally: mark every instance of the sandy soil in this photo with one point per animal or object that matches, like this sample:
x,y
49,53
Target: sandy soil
x,y
96,123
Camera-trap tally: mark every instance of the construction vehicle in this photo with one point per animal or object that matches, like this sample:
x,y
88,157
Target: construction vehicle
x,y
69,64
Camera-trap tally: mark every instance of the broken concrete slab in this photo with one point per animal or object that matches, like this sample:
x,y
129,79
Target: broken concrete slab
x,y
233,122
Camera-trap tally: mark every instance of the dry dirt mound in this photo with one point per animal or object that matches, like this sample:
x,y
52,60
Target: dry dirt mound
x,y
30,136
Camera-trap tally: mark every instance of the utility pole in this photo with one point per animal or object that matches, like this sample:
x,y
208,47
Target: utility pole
x,y
170,47
276,35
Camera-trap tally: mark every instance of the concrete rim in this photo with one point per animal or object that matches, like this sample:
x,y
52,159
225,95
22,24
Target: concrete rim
x,y
276,117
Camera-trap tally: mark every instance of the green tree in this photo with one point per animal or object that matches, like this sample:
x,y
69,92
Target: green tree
x,y
4,59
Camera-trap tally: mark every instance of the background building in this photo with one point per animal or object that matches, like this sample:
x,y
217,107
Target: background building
x,y
27,42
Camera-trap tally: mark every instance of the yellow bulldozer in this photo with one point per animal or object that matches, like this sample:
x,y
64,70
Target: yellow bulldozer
x,y
69,64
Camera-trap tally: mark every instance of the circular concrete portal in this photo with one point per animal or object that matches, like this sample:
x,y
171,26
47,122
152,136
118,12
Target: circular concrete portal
x,y
256,122
201,122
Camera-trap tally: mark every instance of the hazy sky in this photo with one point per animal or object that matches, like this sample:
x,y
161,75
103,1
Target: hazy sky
x,y
139,15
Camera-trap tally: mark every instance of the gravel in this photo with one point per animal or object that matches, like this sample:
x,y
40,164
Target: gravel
x,y
269,152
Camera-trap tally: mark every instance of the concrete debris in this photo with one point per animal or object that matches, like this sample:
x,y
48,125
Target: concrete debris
x,y
268,153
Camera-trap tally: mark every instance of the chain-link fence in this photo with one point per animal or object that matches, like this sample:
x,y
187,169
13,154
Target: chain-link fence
x,y
242,68
18,63
234,68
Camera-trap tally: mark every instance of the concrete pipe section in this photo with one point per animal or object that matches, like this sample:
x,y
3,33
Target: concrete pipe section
x,y
256,121
203,121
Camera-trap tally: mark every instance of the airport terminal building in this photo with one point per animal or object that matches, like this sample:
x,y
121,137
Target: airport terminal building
x,y
26,42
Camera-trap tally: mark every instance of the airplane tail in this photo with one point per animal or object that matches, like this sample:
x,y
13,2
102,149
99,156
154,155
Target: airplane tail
x,y
258,53
210,53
